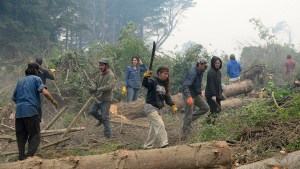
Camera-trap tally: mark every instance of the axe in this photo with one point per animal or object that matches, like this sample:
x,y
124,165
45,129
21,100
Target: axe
x,y
152,55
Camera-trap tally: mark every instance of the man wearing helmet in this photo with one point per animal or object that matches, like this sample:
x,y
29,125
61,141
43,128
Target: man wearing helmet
x,y
102,92
193,95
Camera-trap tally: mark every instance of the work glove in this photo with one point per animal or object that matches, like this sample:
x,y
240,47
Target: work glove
x,y
124,90
190,101
174,108
55,104
148,73
52,71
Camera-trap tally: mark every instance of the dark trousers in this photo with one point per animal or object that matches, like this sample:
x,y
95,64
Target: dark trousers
x,y
102,115
28,129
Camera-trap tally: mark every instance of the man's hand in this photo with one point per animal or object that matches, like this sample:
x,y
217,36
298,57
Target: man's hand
x,y
190,101
55,104
124,90
148,73
174,108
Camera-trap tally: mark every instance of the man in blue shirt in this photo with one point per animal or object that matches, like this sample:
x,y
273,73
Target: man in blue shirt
x,y
233,70
28,110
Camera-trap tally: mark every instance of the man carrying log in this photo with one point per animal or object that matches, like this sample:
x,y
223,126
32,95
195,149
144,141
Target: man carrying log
x,y
102,91
193,95
28,110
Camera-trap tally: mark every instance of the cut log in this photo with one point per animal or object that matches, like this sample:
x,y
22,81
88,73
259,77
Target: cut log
x,y
135,109
288,161
235,89
216,155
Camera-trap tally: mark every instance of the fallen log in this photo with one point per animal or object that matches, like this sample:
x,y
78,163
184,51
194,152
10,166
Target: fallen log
x,y
215,155
235,89
135,109
285,160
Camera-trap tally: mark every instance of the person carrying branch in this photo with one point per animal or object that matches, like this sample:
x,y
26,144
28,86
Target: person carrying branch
x,y
193,95
158,93
28,110
102,91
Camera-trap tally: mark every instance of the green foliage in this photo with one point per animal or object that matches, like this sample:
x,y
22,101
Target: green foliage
x,y
183,62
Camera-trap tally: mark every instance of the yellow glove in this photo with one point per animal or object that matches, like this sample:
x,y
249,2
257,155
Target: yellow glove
x,y
55,104
174,108
148,73
124,90
52,71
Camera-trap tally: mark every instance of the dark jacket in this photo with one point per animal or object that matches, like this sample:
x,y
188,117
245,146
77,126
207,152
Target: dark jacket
x,y
213,85
156,95
45,74
192,82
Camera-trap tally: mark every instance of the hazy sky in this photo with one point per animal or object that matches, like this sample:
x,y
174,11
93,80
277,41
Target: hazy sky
x,y
221,25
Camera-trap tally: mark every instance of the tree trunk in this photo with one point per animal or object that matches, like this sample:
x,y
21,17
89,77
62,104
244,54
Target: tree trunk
x,y
282,161
238,88
213,155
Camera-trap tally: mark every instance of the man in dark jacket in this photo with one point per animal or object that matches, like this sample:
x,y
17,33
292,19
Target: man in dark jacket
x,y
193,95
44,74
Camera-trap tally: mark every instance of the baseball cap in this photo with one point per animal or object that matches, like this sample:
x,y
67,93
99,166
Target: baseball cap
x,y
203,60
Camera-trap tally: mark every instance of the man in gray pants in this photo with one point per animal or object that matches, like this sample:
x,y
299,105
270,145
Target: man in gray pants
x,y
193,96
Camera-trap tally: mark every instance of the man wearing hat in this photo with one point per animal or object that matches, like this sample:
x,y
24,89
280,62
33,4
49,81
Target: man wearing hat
x,y
102,91
44,74
193,95
28,110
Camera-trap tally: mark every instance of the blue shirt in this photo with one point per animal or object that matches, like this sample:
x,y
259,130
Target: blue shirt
x,y
27,96
133,76
233,69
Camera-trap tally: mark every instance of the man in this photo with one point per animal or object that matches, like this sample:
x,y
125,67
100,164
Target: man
x,y
193,95
233,70
28,110
102,91
289,65
44,74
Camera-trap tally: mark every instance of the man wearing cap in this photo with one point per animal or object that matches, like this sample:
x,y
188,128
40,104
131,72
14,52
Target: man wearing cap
x,y
44,74
28,110
193,95
233,70
102,91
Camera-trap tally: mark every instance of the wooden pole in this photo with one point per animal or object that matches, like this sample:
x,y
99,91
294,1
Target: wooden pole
x,y
55,118
78,115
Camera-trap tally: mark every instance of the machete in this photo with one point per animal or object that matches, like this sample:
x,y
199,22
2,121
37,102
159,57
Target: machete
x,y
152,55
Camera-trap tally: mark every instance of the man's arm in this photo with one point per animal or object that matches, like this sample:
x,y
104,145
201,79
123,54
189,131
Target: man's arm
x,y
188,81
47,94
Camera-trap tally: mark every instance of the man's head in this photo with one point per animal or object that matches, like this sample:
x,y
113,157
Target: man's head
x,y
32,69
202,64
232,57
289,56
103,64
39,61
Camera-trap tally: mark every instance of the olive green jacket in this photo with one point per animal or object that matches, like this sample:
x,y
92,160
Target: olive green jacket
x,y
104,86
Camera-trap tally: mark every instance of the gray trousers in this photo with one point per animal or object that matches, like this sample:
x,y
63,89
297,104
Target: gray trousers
x,y
191,115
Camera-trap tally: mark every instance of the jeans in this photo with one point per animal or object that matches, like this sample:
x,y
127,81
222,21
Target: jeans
x,y
102,115
191,116
132,94
28,129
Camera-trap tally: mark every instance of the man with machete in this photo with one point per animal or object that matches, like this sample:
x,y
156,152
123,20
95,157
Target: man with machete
x,y
158,93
